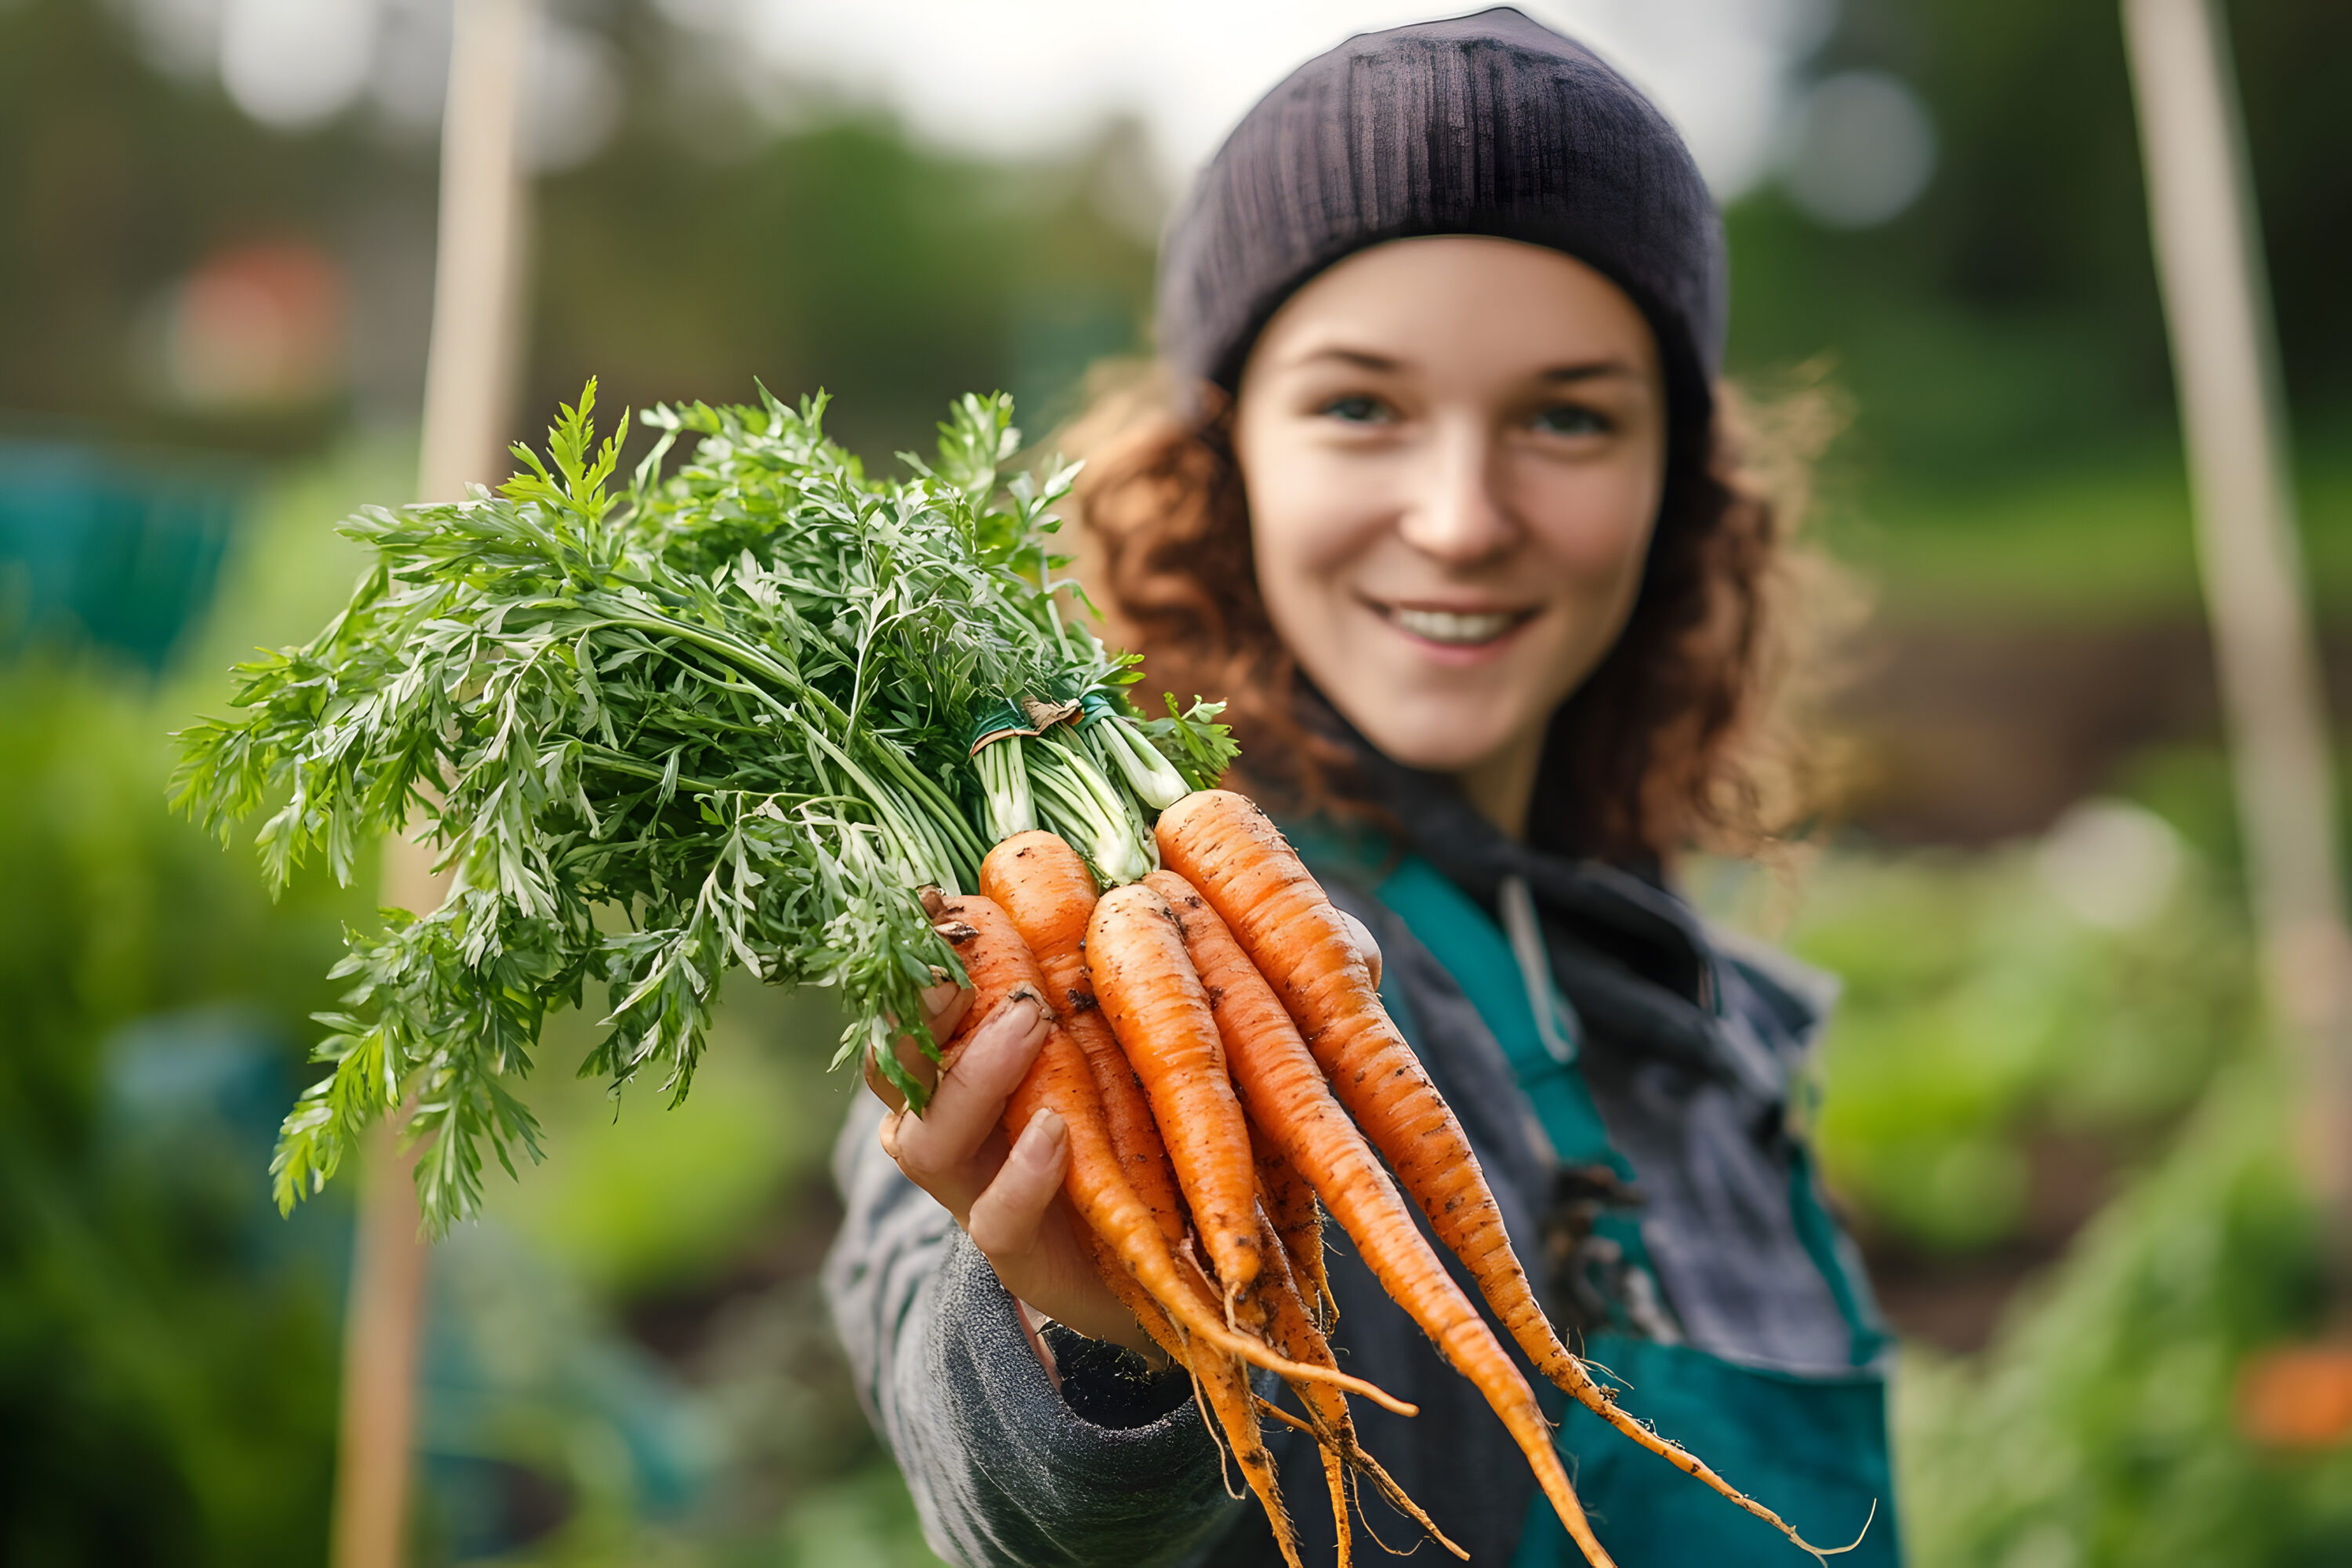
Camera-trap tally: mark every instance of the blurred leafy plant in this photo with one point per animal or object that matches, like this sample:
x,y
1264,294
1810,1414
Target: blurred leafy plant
x,y
2097,1432
1981,1008
167,1373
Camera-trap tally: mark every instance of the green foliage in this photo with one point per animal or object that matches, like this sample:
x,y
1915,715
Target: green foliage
x,y
2009,320
722,718
1979,1010
167,1364
2098,1433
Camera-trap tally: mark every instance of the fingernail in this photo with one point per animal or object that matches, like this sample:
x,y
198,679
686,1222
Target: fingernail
x,y
1020,1015
1044,1133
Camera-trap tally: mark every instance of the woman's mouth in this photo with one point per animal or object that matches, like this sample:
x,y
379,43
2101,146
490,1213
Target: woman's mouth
x,y
1455,628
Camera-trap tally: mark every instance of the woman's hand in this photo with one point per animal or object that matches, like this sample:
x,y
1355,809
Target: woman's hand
x,y
1008,1200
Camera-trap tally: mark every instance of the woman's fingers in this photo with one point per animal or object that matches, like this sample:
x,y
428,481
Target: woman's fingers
x,y
1005,1199
944,1006
920,1068
1026,1234
1008,1214
942,1150
1365,945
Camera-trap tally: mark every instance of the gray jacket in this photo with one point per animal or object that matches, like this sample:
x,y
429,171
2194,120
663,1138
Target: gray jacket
x,y
1688,1055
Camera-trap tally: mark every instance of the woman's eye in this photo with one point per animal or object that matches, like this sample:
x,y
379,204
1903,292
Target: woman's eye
x,y
1570,419
1357,408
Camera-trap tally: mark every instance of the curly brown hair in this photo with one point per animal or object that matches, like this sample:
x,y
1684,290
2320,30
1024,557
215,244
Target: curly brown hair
x,y
1684,736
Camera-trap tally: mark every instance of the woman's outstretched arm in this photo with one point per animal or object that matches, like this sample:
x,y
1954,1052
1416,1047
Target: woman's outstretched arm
x,y
1004,1467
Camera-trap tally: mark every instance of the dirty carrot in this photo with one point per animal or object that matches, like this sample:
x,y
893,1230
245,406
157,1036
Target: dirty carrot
x,y
1226,848
1044,885
1229,849
1289,1200
1002,971
1288,1197
1292,1331
1288,1095
1223,1386
1156,1006
1135,1298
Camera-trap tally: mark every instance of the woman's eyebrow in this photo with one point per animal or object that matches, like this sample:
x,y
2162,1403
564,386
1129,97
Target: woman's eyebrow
x,y
1362,358
1588,371
1550,375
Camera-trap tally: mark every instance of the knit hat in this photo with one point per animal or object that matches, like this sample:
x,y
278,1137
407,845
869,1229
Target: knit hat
x,y
1490,125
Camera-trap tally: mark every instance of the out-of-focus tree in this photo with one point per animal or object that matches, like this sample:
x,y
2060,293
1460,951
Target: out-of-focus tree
x,y
169,268
116,187
717,229
2009,315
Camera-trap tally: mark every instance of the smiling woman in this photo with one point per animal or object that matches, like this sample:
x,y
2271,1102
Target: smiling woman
x,y
1452,451
1437,491
1448,430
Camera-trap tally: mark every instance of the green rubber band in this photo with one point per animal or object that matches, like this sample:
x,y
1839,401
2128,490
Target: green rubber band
x,y
1028,717
995,723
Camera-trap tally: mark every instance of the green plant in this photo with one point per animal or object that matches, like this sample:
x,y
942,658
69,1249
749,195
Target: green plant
x,y
167,1345
2097,1432
1980,1011
725,716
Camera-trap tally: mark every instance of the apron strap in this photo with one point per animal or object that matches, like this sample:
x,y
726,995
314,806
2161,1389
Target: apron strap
x,y
1509,981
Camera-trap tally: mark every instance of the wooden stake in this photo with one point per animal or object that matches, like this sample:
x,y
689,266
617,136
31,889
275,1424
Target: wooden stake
x,y
468,387
380,1348
2232,413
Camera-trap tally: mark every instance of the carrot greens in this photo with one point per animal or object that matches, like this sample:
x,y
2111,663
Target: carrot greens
x,y
716,713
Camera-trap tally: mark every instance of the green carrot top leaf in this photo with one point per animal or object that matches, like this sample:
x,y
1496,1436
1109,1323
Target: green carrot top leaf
x,y
718,716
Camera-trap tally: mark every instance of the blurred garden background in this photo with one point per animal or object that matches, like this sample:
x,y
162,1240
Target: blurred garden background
x,y
2051,1109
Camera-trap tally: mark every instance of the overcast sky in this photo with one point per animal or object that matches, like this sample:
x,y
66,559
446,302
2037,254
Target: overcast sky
x,y
1019,75
1034,75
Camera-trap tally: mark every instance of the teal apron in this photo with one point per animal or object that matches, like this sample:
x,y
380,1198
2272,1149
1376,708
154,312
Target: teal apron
x,y
1814,1449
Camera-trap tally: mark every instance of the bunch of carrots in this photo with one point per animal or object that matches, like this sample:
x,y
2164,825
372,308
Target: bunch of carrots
x,y
765,710
1220,1055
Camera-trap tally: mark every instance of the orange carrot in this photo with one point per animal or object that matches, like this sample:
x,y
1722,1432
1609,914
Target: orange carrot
x,y
1157,1008
1225,1389
1222,1384
1291,1332
1001,971
1288,1095
1296,1335
1044,885
1135,1298
1289,1200
1225,846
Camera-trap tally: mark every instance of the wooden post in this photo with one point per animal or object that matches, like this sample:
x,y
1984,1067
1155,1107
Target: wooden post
x,y
468,390
470,367
2232,413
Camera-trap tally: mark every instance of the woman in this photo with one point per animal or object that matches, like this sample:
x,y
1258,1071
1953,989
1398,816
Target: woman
x,y
1444,507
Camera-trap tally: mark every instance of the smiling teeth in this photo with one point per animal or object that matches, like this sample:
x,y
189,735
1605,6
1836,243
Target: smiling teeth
x,y
1452,626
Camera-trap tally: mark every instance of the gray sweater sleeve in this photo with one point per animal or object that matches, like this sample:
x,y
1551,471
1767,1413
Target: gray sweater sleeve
x,y
1002,1471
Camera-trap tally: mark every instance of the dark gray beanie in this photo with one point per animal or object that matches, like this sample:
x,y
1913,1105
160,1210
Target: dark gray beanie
x,y
1490,125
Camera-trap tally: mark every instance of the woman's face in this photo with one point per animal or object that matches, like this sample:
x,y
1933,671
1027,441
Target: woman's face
x,y
1452,450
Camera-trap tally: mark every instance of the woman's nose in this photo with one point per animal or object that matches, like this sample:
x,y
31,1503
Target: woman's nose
x,y
1456,512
